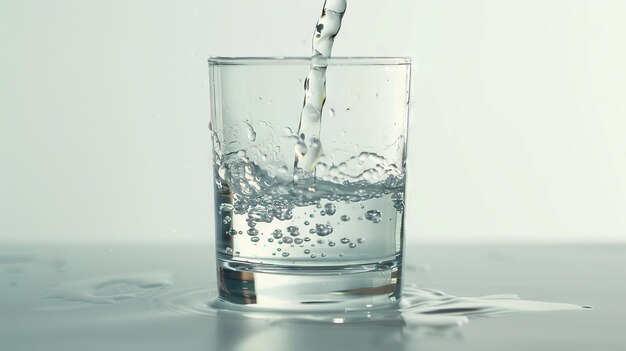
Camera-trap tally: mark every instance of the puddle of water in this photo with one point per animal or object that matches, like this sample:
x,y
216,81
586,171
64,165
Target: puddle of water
x,y
418,307
107,290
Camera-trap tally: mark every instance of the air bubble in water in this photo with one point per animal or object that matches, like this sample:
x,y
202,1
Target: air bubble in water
x,y
298,241
345,218
228,250
277,234
226,220
270,240
313,255
330,209
307,222
352,245
255,239
323,254
360,240
344,240
307,251
287,240
373,215
226,207
331,243
323,229
253,232
285,254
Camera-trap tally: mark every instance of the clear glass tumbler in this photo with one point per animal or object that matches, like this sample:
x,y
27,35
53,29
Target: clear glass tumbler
x,y
326,238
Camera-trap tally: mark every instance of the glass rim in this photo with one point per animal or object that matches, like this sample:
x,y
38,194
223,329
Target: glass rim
x,y
304,60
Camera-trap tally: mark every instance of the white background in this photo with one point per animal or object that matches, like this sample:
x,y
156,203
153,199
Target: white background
x,y
518,125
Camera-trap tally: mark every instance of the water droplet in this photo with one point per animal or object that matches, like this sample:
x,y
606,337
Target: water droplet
x,y
253,232
251,133
330,209
345,218
344,240
352,245
373,216
285,254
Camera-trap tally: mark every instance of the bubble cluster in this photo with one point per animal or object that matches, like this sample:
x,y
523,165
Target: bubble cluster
x,y
323,229
293,230
373,216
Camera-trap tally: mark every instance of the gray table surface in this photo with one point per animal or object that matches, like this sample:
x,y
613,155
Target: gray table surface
x,y
31,318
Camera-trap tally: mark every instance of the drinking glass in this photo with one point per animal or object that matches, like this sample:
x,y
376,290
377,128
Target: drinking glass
x,y
326,238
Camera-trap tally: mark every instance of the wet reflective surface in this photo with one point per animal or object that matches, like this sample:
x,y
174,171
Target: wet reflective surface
x,y
163,298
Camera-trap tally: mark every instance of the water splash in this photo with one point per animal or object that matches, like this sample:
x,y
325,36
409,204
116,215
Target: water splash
x,y
264,196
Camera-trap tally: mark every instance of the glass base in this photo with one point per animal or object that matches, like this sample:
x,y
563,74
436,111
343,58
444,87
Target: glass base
x,y
298,288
